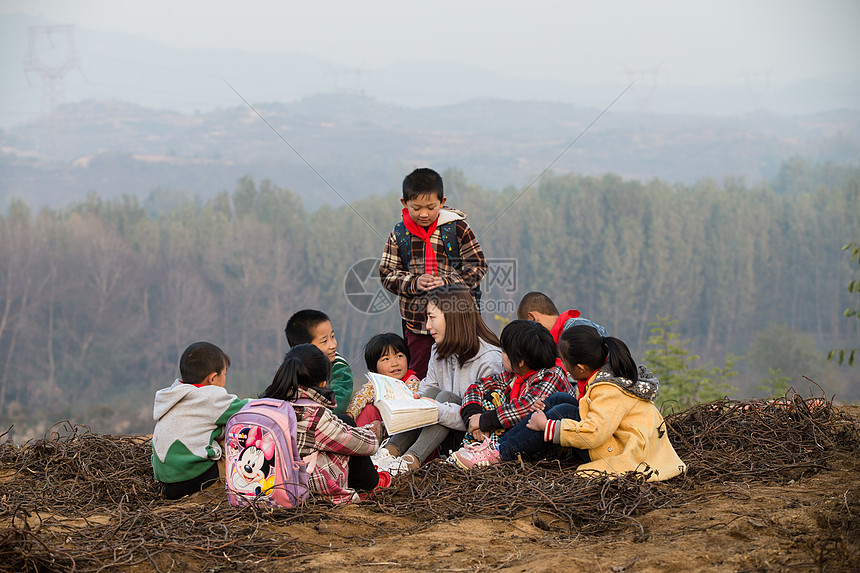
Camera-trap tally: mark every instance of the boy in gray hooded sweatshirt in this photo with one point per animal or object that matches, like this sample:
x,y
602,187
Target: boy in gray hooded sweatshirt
x,y
189,421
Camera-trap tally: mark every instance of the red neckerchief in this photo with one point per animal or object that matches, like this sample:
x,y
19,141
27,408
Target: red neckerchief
x,y
518,386
559,323
424,234
409,374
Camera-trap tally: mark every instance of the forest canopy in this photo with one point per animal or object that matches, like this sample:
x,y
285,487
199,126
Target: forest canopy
x,y
99,298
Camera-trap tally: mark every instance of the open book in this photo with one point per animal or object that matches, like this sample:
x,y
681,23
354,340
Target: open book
x,y
399,410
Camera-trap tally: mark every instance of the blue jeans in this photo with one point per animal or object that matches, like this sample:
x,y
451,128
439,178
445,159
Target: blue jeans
x,y
530,443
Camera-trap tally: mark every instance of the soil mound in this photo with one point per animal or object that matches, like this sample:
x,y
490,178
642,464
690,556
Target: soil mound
x,y
771,485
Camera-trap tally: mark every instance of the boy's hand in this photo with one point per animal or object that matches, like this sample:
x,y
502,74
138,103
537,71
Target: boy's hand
x,y
537,406
429,282
537,422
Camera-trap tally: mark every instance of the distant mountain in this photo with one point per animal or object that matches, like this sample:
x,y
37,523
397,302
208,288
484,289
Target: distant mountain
x,y
113,66
332,147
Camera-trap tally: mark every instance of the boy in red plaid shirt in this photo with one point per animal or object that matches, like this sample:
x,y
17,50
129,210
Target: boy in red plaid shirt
x,y
432,246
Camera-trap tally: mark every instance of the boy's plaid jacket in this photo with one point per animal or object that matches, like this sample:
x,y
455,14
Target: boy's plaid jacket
x,y
403,281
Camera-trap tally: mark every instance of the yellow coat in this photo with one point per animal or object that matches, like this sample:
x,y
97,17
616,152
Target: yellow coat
x,y
621,433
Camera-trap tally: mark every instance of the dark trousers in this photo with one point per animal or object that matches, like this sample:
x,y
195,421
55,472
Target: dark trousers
x,y
530,443
362,473
419,351
187,487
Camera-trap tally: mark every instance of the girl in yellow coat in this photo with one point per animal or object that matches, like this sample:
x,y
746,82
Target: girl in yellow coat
x,y
618,424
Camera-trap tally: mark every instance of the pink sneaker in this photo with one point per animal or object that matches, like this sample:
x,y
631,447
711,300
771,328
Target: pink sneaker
x,y
480,455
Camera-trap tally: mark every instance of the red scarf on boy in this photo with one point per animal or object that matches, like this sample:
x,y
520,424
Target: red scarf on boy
x,y
430,267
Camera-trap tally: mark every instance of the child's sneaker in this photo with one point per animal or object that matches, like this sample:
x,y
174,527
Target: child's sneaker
x,y
384,480
405,463
381,458
479,455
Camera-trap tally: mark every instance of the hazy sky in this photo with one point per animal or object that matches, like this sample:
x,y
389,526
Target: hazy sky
x,y
686,42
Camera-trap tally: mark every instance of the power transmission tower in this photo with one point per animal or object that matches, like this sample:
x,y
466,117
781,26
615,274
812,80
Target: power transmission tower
x,y
758,84
51,54
646,82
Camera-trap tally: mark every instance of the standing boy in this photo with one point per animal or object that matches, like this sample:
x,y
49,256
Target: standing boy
x,y
189,421
314,327
429,248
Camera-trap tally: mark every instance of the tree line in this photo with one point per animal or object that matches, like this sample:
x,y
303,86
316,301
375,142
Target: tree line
x,y
99,298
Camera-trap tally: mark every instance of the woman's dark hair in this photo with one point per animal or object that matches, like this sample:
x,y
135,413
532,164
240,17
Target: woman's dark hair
x,y
379,344
463,323
528,341
582,344
304,365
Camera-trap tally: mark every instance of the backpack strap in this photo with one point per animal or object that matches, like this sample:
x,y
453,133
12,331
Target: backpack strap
x,y
265,402
404,244
451,243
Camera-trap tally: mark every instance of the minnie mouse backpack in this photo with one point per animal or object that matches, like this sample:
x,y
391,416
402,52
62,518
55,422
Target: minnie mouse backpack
x,y
263,462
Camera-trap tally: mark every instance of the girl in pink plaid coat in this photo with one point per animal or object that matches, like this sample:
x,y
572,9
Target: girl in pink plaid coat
x,y
337,453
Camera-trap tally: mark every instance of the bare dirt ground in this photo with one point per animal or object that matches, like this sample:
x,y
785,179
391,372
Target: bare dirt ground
x,y
808,524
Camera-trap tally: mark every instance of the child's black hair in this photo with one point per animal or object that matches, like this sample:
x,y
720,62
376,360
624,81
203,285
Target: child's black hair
x,y
200,360
423,181
379,344
528,341
304,365
300,325
582,344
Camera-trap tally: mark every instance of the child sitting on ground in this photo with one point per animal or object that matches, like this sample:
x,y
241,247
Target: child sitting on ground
x,y
314,327
492,405
337,454
189,420
539,307
464,351
387,354
616,428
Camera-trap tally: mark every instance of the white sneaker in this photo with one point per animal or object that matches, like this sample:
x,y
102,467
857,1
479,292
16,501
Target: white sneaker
x,y
381,458
401,465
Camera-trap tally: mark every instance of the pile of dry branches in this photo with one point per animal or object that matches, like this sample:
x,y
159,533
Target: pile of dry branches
x,y
78,501
763,440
